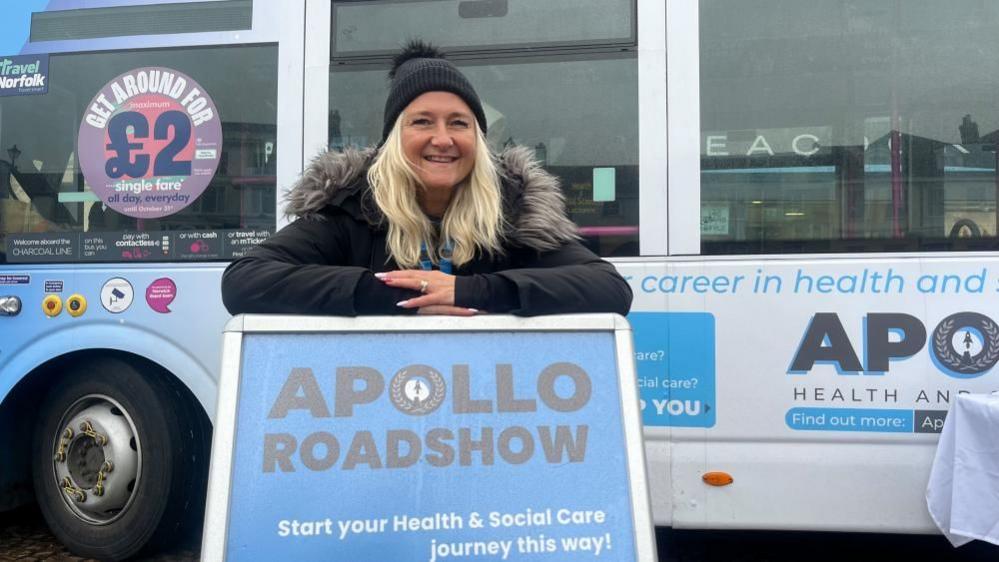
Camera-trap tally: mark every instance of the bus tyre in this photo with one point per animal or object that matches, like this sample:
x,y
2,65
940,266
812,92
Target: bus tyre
x,y
120,460
962,226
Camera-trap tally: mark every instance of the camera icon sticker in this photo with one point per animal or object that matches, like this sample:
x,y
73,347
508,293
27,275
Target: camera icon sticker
x,y
116,295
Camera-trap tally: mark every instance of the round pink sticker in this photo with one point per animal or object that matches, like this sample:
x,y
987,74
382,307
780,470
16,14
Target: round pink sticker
x,y
150,142
160,293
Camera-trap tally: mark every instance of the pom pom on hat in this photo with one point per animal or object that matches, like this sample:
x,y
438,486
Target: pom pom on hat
x,y
415,49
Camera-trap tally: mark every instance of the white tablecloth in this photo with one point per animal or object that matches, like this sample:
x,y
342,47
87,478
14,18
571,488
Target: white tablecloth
x,y
963,492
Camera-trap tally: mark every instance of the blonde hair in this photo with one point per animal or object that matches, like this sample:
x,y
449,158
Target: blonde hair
x,y
473,221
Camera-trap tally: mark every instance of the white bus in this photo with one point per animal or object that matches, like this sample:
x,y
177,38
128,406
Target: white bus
x,y
801,194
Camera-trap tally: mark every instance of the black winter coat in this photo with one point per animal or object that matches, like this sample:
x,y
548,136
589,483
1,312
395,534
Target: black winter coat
x,y
324,262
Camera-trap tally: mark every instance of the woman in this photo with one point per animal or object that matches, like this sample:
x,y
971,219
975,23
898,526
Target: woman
x,y
429,223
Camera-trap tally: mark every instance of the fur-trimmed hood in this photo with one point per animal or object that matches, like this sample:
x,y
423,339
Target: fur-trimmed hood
x,y
533,204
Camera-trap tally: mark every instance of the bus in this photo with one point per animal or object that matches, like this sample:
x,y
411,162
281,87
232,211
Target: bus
x,y
802,196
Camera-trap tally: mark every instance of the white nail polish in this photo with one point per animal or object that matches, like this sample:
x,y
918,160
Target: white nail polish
x,y
381,275
401,303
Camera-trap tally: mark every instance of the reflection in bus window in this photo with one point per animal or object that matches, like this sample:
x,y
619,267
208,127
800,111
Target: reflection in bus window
x,y
590,143
46,201
566,89
846,126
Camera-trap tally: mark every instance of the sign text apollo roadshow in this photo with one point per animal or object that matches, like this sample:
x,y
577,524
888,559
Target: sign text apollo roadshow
x,y
403,448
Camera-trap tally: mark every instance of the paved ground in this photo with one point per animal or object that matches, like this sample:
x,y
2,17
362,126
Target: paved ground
x,y
23,537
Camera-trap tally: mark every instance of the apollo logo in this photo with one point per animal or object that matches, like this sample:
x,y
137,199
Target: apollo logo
x,y
964,345
417,390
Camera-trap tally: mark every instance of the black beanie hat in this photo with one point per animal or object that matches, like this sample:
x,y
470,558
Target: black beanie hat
x,y
421,68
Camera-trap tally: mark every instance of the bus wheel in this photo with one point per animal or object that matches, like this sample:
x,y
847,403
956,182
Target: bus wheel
x,y
965,228
120,461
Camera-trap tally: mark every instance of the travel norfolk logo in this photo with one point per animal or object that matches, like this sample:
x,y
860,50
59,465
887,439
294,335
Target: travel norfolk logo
x,y
24,75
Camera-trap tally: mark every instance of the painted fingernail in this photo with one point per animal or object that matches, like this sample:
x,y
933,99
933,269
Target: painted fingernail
x,y
473,310
402,303
381,275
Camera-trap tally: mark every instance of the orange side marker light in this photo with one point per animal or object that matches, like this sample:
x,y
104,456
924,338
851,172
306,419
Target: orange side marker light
x,y
717,478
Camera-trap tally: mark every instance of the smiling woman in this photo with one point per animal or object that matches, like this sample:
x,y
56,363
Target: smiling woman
x,y
430,221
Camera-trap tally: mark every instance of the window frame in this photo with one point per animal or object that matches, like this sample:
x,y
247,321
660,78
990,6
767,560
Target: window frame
x,y
651,66
683,101
658,215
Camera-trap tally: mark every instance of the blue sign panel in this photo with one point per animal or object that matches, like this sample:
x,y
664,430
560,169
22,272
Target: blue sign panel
x,y
883,420
675,358
22,75
429,447
14,279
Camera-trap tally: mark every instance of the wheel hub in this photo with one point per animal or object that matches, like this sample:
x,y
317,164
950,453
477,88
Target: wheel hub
x,y
85,459
97,461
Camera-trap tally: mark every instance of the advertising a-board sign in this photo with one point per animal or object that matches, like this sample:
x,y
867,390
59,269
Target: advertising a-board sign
x,y
410,443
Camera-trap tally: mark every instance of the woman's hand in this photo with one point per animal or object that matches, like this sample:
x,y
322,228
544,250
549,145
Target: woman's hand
x,y
442,310
436,288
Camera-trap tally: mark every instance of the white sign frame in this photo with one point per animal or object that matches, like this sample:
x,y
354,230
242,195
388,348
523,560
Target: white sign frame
x,y
220,474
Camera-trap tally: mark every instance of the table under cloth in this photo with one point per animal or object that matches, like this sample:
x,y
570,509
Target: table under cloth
x,y
963,491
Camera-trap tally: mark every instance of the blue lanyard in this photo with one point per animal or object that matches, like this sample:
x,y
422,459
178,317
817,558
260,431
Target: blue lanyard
x,y
446,252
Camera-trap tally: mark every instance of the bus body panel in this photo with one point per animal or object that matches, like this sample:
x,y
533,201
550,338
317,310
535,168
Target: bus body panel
x,y
658,454
810,442
864,480
802,486
184,339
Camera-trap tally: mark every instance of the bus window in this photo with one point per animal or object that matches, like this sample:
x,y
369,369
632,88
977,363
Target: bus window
x,y
364,28
49,211
848,126
578,110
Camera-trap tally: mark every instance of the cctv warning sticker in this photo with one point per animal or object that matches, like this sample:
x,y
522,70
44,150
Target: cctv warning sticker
x,y
116,295
675,367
